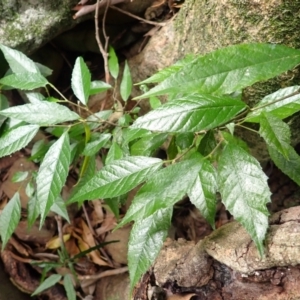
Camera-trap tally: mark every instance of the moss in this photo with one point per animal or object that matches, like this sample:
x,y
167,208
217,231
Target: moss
x,y
29,24
285,23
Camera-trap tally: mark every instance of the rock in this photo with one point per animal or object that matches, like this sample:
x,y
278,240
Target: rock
x,y
27,25
232,245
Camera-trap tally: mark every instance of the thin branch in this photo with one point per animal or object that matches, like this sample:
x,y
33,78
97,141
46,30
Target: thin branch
x,y
88,220
215,149
247,128
103,48
90,279
277,100
138,18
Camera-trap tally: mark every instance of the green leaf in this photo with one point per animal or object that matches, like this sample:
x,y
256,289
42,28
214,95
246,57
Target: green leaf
x,y
93,147
34,97
117,178
3,105
44,70
49,282
147,145
59,207
170,70
126,83
154,102
208,143
18,62
163,189
95,120
114,153
131,134
33,210
88,174
68,284
113,64
81,81
17,138
245,192
98,86
11,124
24,81
203,191
52,174
275,132
125,120
9,218
231,127
172,150
42,113
39,149
30,189
114,205
229,69
146,239
290,165
19,176
235,140
190,114
282,108
184,140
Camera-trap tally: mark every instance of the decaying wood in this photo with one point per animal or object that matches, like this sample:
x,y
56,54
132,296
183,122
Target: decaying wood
x,y
226,264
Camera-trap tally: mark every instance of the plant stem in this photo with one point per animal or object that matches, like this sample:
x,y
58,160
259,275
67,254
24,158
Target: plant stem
x,y
248,128
275,101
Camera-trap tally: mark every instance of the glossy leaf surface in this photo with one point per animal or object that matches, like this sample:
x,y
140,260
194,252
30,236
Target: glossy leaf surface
x,y
203,191
98,86
81,81
282,104
126,83
276,133
245,192
163,189
18,62
147,145
113,63
9,218
190,114
52,174
146,239
41,113
117,178
229,69
17,138
24,81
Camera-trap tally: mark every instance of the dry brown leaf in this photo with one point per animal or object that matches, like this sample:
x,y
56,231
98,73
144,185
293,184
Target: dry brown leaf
x,y
10,188
88,242
71,247
108,224
34,234
21,249
54,243
97,214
